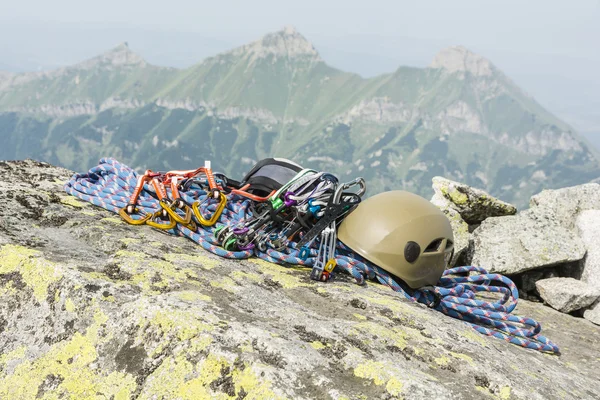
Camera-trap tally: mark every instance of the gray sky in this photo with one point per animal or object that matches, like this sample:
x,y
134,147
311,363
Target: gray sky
x,y
551,48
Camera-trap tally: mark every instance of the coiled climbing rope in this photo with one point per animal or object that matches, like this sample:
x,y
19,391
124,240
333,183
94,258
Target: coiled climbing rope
x,y
109,185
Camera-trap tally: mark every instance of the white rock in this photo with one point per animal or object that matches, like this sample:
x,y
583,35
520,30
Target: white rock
x,y
522,242
567,294
588,226
592,314
566,203
460,228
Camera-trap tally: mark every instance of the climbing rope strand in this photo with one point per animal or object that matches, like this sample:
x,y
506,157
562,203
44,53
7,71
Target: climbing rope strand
x,y
110,184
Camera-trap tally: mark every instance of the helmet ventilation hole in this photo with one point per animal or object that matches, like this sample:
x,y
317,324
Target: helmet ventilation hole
x,y
434,246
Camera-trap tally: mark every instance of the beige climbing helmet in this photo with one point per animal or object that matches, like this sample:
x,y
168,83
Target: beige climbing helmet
x,y
402,233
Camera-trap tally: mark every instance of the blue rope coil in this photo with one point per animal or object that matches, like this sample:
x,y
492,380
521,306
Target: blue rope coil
x,y
110,184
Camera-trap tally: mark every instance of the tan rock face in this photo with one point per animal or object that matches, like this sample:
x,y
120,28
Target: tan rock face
x,y
93,307
287,43
459,59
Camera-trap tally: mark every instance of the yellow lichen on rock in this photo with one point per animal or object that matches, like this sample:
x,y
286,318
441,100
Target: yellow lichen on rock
x,y
254,387
112,220
225,283
169,381
151,274
171,326
73,201
374,370
36,272
16,354
317,345
246,276
504,393
472,335
178,378
69,305
198,344
183,324
381,374
287,277
8,289
464,357
394,386
203,261
71,362
128,241
442,361
394,336
396,304
190,295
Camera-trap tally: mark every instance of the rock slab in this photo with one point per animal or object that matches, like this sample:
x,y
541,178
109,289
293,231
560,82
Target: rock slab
x,y
514,244
566,203
91,307
588,226
592,314
567,294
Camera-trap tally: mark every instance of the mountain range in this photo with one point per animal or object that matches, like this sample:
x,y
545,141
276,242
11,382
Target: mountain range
x,y
460,117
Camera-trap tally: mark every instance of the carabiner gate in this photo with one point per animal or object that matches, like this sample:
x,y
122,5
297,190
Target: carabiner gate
x,y
172,207
127,217
165,226
216,215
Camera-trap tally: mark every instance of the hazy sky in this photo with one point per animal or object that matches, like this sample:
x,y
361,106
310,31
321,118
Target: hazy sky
x,y
551,48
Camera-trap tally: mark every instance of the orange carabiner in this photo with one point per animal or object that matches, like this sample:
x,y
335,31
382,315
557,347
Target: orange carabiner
x,y
130,209
243,192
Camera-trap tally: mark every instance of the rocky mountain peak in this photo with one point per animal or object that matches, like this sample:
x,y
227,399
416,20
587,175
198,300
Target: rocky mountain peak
x,y
287,42
460,59
121,55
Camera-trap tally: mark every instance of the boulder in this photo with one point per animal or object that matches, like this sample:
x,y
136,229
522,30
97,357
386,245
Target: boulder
x,y
588,226
514,244
567,294
567,203
592,314
473,205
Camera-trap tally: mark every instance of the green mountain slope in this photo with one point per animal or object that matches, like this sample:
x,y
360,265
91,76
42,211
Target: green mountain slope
x,y
460,117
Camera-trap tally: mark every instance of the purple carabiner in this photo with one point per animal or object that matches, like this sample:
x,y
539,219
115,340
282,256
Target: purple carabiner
x,y
240,231
289,202
249,246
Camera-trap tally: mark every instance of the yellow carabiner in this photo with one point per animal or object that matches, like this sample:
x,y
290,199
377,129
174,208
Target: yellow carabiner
x,y
330,266
192,226
171,210
127,217
215,216
164,226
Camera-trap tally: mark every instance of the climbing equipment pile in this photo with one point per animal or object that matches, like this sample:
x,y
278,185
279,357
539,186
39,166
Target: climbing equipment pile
x,y
288,215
